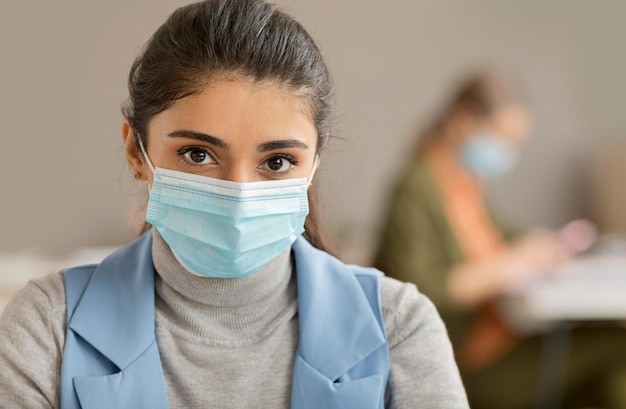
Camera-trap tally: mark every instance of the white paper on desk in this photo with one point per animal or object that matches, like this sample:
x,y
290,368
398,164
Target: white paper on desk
x,y
586,288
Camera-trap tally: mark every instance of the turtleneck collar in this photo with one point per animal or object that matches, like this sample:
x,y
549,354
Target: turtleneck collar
x,y
224,310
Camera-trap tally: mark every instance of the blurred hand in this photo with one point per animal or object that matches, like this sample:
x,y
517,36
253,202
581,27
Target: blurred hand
x,y
578,235
541,250
534,255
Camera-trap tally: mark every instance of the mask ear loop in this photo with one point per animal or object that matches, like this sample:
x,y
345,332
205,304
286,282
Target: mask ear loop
x,y
147,158
310,179
145,155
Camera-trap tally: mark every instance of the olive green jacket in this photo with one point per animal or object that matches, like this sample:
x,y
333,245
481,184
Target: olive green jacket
x,y
418,245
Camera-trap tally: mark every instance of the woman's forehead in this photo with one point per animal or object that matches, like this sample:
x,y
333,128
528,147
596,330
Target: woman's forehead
x,y
232,108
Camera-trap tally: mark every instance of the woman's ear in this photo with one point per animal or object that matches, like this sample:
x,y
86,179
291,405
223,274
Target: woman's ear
x,y
134,157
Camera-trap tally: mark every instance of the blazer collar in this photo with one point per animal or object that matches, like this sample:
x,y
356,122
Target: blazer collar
x,y
337,325
121,290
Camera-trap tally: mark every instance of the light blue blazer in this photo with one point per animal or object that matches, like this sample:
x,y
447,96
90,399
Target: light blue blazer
x,y
111,357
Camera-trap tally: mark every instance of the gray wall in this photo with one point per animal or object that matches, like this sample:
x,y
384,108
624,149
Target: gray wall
x,y
64,65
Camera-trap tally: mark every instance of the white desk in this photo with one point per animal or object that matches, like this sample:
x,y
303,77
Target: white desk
x,y
588,288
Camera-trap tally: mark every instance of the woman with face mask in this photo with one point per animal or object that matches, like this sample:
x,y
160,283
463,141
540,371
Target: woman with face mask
x,y
441,235
229,299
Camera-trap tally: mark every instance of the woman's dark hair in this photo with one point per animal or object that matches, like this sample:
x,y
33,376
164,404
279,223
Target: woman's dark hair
x,y
481,94
215,39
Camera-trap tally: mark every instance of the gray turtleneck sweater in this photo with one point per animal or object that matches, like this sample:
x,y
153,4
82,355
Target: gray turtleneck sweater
x,y
226,343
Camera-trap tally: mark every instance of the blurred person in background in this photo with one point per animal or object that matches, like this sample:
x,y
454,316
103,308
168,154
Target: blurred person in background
x,y
442,235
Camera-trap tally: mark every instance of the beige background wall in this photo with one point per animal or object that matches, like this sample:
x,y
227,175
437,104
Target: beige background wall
x,y
63,181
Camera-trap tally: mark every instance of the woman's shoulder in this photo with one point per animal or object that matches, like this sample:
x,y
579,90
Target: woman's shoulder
x,y
32,336
41,295
406,311
422,364
36,312
398,297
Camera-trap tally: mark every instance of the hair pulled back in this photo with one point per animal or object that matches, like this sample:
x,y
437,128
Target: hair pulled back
x,y
485,92
480,94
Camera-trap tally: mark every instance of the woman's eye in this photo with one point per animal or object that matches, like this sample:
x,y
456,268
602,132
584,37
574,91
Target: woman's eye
x,y
279,164
198,156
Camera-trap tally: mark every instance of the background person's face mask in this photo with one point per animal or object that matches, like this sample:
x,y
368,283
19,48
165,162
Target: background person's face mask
x,y
219,228
487,155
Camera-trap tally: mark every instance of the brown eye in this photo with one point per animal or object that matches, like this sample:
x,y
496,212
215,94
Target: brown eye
x,y
276,164
198,157
279,164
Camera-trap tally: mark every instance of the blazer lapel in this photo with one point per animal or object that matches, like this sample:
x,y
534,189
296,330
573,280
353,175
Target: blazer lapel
x,y
338,330
135,387
116,317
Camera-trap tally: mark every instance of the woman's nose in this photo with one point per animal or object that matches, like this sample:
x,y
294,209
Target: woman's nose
x,y
238,172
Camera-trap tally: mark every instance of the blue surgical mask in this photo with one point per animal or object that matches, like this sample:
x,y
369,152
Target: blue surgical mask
x,y
488,156
219,228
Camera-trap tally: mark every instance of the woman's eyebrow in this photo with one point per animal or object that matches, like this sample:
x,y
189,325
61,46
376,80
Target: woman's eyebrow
x,y
199,136
281,144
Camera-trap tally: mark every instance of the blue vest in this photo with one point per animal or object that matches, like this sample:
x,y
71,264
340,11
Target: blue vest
x,y
111,358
